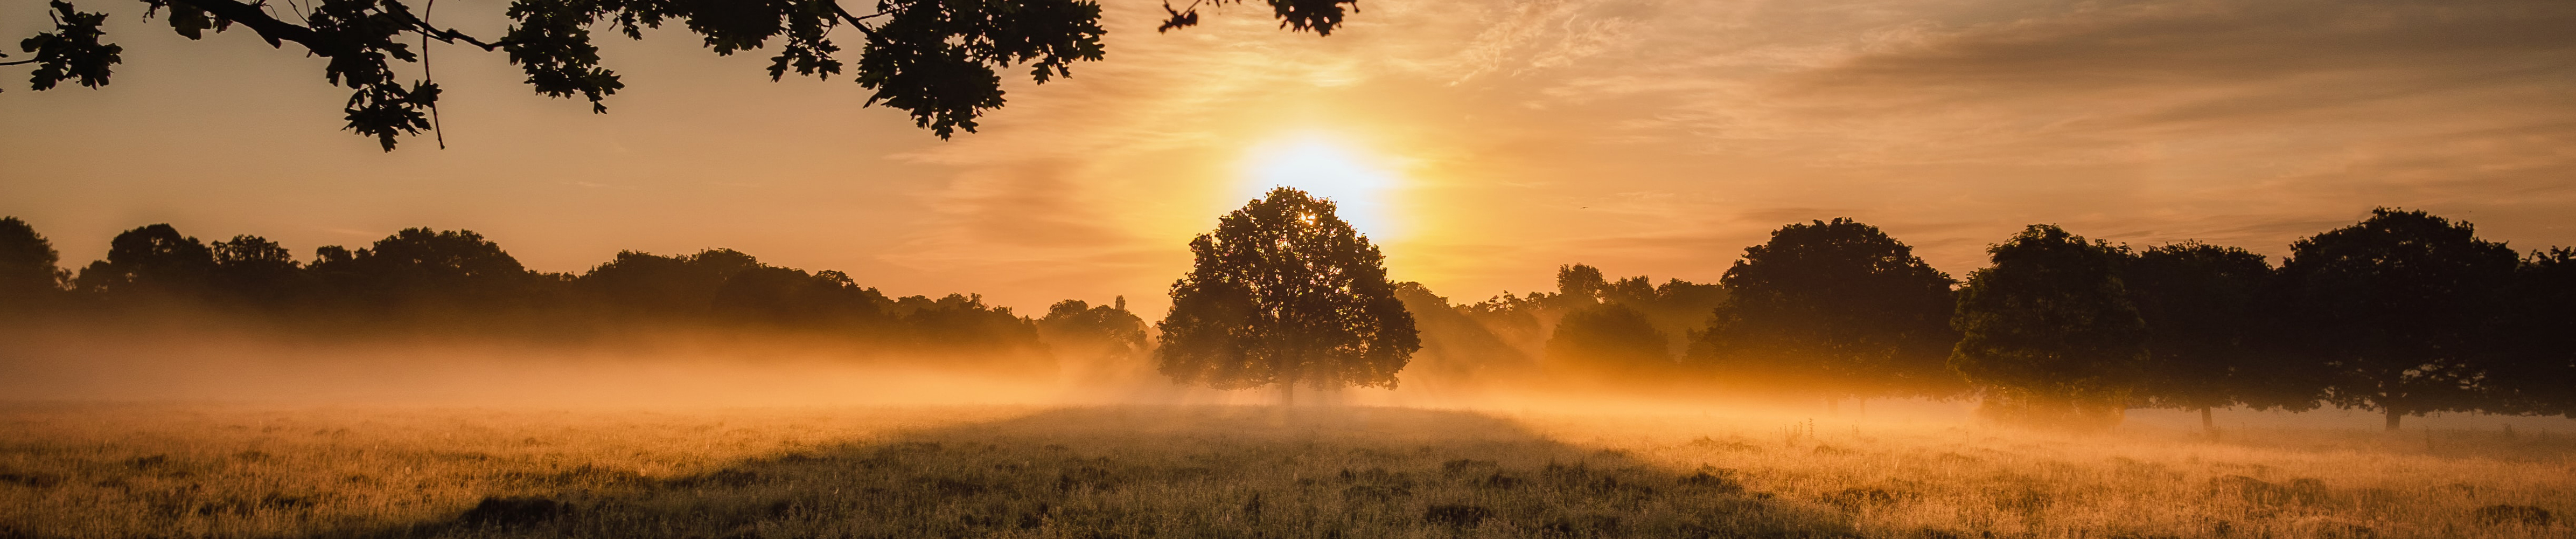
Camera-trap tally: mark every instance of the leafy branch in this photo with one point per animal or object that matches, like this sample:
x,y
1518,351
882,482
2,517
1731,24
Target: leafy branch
x,y
936,59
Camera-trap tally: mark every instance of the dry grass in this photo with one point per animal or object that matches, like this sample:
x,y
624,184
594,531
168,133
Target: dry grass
x,y
137,471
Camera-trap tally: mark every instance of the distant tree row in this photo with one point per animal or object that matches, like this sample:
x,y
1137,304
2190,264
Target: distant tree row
x,y
2405,313
445,281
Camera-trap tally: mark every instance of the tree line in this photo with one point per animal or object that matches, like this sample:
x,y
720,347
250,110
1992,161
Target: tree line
x,y
2405,313
420,280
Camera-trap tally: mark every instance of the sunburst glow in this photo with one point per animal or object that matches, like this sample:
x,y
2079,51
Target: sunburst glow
x,y
1320,165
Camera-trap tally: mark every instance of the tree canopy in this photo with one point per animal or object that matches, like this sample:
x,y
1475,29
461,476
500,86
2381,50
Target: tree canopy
x,y
1609,336
1834,304
1284,292
2540,375
2048,332
938,60
422,281
2401,309
27,270
2207,324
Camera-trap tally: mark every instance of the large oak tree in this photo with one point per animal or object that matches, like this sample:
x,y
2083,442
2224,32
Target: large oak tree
x,y
1836,307
2207,327
1284,293
2401,309
2048,333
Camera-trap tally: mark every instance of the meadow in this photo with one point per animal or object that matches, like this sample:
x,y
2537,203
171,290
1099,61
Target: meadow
x,y
98,470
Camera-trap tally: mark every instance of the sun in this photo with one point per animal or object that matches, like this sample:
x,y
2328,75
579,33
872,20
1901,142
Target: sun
x,y
1323,166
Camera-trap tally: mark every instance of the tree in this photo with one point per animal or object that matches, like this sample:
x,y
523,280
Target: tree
x,y
1455,344
1284,292
151,260
1836,307
27,271
936,59
1099,341
257,270
2538,370
420,267
1673,309
2205,319
963,324
2399,309
792,298
2048,332
1611,336
1579,286
1676,308
646,285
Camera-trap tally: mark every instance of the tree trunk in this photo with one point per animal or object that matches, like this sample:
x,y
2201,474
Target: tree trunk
x,y
2207,425
2392,417
1288,394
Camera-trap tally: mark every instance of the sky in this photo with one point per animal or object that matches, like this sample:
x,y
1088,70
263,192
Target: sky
x,y
1481,143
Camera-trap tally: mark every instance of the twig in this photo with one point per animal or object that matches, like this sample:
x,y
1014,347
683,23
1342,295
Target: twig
x,y
430,78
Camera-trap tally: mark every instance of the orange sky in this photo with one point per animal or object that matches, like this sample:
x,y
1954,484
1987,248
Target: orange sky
x,y
1501,137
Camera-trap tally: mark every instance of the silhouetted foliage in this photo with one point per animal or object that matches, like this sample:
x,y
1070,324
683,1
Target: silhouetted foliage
x,y
151,260
1107,333
28,274
1454,343
963,324
1284,292
2048,332
1838,307
789,297
937,60
1667,312
255,270
647,285
1676,308
2400,309
1579,286
2537,371
456,282
2405,312
423,269
1610,336
2206,319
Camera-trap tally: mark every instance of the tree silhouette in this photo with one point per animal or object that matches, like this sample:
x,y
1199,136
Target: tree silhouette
x,y
645,285
1673,309
2538,370
1102,333
2400,308
253,269
962,323
935,59
2205,317
422,268
1838,307
1454,342
1284,292
1578,286
789,297
1611,336
28,275
151,260
2048,332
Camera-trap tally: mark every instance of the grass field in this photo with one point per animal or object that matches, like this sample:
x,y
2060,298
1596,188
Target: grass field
x,y
1218,471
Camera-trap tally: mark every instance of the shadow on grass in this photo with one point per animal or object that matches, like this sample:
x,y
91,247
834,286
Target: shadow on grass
x,y
1136,472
